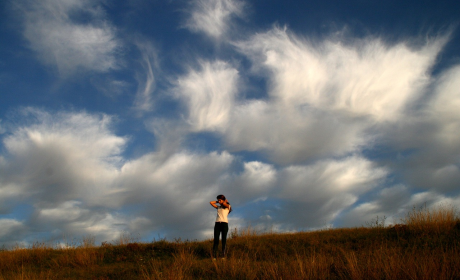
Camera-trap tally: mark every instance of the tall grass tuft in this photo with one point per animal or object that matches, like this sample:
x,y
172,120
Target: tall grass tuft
x,y
436,219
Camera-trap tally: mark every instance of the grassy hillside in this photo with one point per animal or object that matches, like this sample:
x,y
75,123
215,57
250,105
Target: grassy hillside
x,y
425,246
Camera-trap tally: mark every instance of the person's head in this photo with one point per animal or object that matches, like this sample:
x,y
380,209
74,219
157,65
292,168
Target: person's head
x,y
221,198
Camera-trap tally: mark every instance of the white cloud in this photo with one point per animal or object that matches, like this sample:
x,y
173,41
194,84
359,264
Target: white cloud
x,y
63,156
327,98
168,179
209,94
292,135
110,87
444,109
427,144
431,199
431,134
146,80
389,204
213,16
8,225
315,194
255,182
54,32
326,102
68,167
367,78
169,135
353,175
2,129
181,185
67,211
79,220
10,230
258,175
392,205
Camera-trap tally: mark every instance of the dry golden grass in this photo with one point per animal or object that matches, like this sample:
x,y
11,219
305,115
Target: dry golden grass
x,y
437,219
426,247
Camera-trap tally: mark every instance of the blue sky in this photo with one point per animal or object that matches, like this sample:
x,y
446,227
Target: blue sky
x,y
128,117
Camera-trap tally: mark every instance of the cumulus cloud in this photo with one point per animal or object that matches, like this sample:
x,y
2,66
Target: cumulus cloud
x,y
426,144
435,163
392,204
11,231
79,220
63,165
169,134
212,17
444,108
63,156
256,181
350,175
389,205
57,33
68,167
323,190
292,135
181,185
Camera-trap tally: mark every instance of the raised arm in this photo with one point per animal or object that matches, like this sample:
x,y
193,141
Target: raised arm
x,y
213,203
225,204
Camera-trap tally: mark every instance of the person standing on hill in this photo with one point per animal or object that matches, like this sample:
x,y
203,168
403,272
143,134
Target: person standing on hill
x,y
221,225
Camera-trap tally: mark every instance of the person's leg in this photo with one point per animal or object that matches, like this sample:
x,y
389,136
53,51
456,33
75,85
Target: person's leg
x,y
224,238
216,239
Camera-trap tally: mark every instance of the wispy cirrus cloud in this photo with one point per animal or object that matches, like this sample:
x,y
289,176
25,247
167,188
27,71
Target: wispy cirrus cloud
x,y
366,78
209,94
213,17
143,101
325,97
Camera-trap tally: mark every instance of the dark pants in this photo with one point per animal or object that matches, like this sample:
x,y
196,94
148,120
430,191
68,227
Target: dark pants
x,y
220,228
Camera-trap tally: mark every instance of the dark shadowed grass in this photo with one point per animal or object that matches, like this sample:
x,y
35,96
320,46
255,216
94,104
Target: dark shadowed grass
x,y
425,247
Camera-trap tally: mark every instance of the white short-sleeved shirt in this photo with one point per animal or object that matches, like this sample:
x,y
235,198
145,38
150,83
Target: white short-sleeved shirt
x,y
222,214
